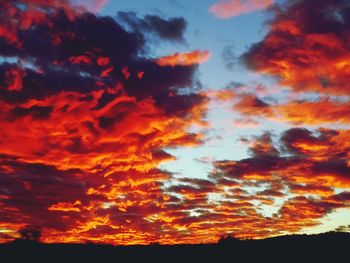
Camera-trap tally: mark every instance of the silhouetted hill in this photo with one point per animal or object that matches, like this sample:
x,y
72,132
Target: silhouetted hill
x,y
331,247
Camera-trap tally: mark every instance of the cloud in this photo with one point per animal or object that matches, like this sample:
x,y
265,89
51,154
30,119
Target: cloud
x,y
314,112
301,174
306,47
263,146
184,59
231,60
230,8
311,190
85,120
171,29
313,165
310,112
245,123
250,105
93,6
322,156
303,141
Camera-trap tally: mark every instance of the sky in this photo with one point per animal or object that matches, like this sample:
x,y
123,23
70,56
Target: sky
x,y
174,121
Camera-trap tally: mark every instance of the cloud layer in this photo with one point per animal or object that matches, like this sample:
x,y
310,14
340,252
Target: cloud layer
x,y
84,120
86,117
306,47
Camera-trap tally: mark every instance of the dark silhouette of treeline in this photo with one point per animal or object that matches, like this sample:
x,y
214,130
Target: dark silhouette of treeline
x,y
327,247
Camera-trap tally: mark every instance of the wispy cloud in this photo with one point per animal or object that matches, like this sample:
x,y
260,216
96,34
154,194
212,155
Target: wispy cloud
x,y
230,8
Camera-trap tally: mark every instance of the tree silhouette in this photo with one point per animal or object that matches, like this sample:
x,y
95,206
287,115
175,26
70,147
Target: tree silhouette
x,y
228,239
30,233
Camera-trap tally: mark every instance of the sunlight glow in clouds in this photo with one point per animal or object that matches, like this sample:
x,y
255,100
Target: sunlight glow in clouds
x,y
185,59
101,142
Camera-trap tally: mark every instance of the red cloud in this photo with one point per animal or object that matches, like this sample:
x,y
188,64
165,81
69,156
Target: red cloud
x,y
84,131
299,173
306,47
103,61
80,60
315,112
14,79
83,128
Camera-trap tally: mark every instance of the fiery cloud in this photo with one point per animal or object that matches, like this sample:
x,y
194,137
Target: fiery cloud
x,y
86,122
229,8
306,47
184,59
315,112
83,130
306,170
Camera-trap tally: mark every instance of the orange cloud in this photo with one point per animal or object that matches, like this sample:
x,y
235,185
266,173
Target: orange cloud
x,y
300,54
184,59
66,207
299,173
251,105
315,112
230,8
84,128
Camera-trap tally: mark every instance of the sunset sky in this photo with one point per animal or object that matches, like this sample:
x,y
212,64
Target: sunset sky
x,y
174,121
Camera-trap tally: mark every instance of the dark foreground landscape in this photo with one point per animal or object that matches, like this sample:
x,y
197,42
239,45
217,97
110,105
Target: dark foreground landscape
x,y
328,247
